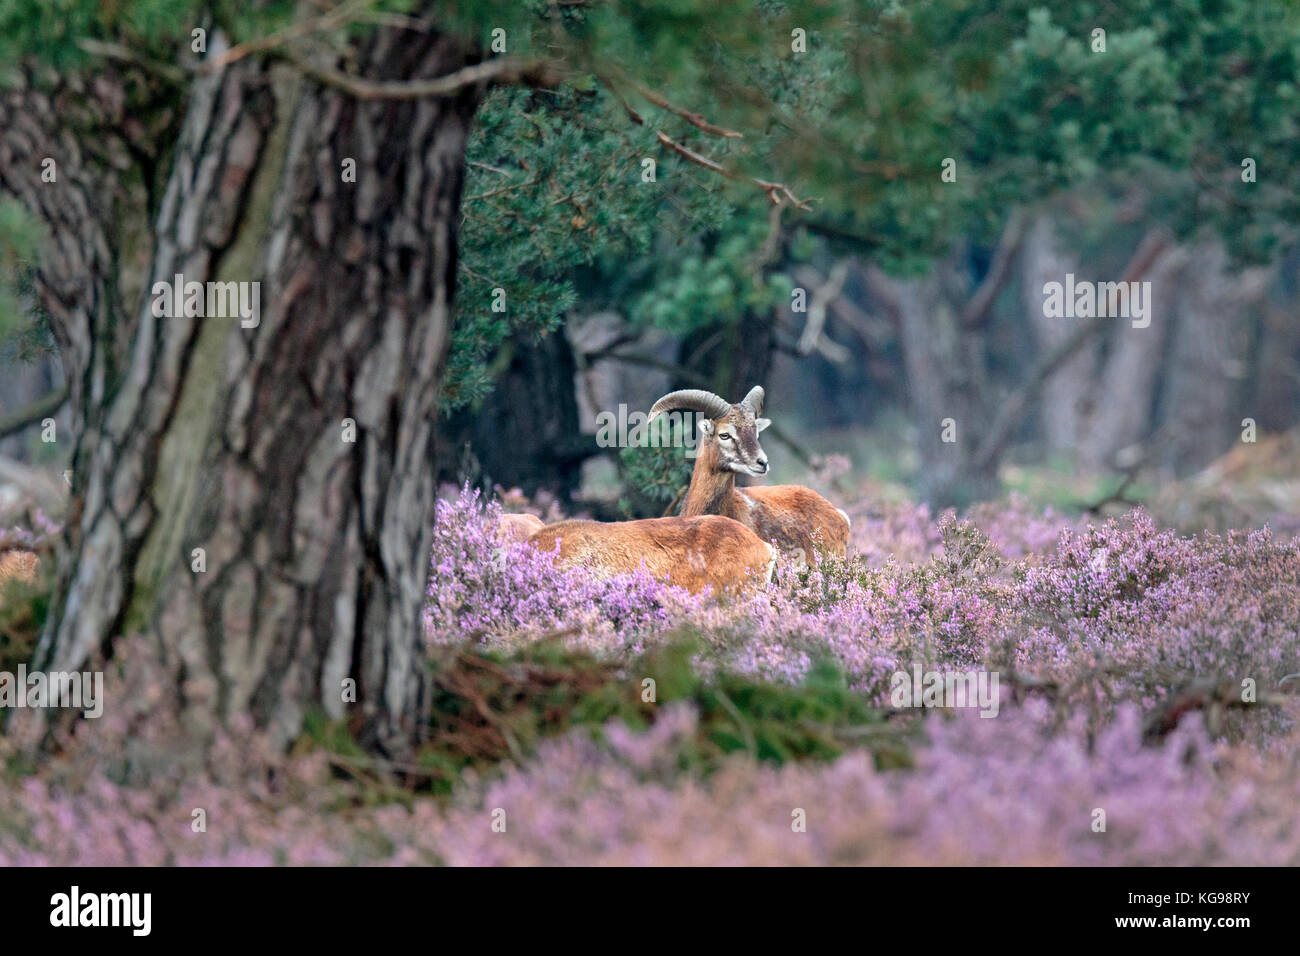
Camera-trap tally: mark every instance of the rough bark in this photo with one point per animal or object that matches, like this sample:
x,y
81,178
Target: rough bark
x,y
78,277
199,433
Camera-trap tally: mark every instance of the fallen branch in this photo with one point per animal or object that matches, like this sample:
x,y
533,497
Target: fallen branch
x,y
1116,497
1158,440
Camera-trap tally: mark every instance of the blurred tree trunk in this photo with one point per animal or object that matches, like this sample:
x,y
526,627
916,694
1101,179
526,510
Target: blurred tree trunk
x,y
525,433
1276,354
1206,393
197,433
965,422
1102,399
947,383
1125,392
735,357
1065,407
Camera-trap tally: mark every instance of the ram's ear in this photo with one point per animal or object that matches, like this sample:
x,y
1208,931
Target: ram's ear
x,y
706,428
761,423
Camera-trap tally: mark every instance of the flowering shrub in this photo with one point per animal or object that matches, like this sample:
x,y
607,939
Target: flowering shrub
x,y
998,791
1123,610
885,530
870,621
1141,610
1006,791
30,535
1019,530
24,601
502,594
1114,640
909,533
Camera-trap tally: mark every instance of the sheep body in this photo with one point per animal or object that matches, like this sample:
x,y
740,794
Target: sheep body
x,y
694,553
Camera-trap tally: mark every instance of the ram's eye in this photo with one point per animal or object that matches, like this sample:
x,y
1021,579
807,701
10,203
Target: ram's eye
x,y
724,436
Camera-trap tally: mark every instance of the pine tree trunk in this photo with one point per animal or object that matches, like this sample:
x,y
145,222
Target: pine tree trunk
x,y
197,433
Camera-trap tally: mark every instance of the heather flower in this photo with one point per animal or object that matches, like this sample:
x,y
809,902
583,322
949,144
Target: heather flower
x,y
1138,610
1005,791
499,593
1109,620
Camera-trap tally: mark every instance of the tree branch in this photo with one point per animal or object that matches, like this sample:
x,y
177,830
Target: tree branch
x,y
33,413
695,119
814,334
499,70
613,79
777,192
1209,695
338,17
977,309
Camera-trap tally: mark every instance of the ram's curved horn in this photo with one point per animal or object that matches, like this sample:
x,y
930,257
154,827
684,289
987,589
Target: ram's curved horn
x,y
754,400
694,399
